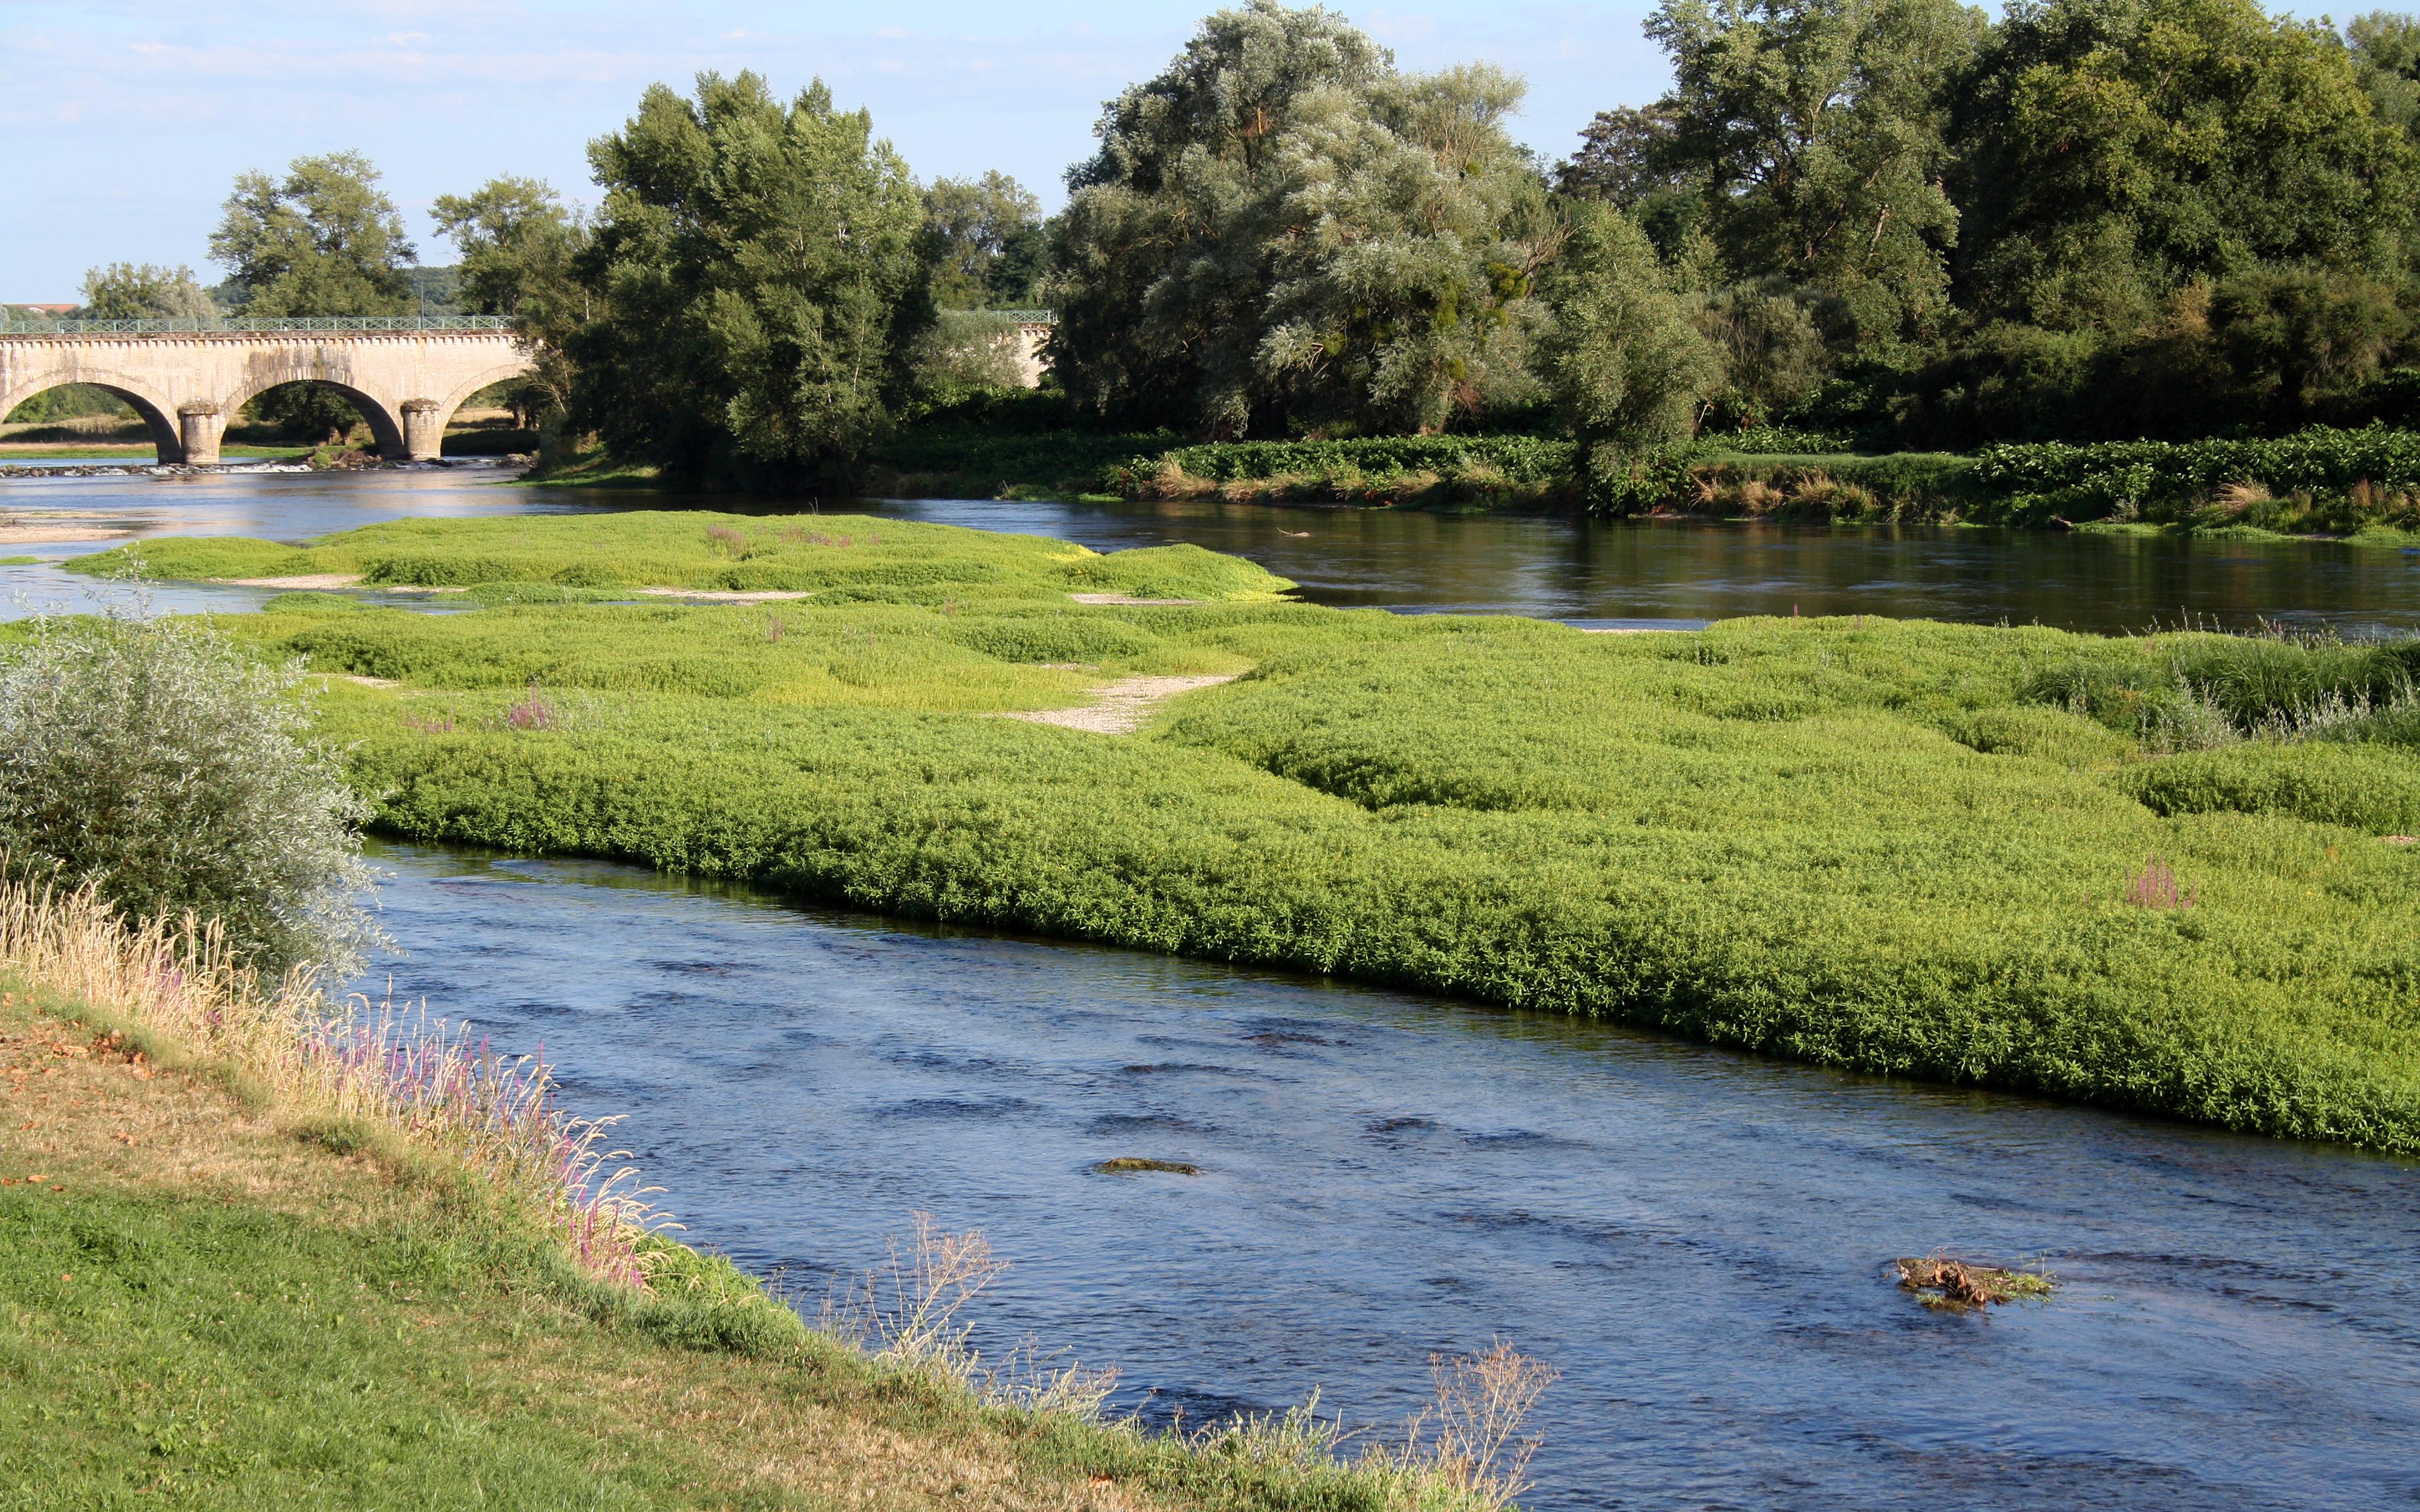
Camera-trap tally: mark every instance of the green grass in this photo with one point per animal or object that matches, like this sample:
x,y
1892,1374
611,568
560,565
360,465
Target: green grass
x,y
1898,847
832,556
211,1305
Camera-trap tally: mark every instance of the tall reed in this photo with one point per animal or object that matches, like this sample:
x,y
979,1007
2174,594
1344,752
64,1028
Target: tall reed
x,y
425,1082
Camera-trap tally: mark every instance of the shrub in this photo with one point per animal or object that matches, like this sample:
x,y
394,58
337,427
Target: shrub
x,y
166,769
2325,784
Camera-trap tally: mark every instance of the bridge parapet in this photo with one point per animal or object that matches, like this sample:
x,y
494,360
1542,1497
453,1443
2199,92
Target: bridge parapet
x,y
16,323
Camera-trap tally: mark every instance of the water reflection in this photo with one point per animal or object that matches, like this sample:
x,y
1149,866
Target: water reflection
x,y
1674,574
1682,573
1696,1240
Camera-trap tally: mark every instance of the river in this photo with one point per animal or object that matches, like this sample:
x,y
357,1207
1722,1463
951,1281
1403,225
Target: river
x,y
1698,1241
1673,574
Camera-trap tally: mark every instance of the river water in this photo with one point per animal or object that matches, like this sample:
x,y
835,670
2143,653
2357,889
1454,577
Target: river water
x,y
1673,574
1698,1241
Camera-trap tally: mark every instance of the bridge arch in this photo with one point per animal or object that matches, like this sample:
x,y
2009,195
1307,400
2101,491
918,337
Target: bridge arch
x,y
520,366
386,425
159,412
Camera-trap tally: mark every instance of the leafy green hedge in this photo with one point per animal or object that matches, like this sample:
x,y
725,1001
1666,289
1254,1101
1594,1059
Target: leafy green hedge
x,y
2365,788
2031,482
1519,458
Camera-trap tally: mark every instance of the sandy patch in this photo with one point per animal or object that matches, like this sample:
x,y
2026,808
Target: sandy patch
x,y
310,579
726,595
365,682
1122,705
1121,598
23,531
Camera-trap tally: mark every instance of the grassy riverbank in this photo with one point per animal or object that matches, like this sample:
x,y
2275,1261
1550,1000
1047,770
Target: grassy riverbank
x,y
2363,486
245,1268
2157,873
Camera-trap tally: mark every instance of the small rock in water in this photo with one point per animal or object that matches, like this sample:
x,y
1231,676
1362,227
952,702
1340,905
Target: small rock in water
x,y
1127,1165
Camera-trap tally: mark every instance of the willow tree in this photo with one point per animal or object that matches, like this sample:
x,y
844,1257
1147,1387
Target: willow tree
x,y
1280,231
755,281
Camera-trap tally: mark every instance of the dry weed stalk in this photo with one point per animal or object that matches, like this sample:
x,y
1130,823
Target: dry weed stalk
x,y
907,1313
1468,1437
430,1083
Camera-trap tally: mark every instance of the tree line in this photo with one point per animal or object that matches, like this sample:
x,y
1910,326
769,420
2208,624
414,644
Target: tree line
x,y
1903,221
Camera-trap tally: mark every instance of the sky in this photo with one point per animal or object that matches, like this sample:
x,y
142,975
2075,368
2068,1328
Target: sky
x,y
122,124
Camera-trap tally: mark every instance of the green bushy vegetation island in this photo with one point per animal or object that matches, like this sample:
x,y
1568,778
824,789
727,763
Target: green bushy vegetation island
x,y
2160,873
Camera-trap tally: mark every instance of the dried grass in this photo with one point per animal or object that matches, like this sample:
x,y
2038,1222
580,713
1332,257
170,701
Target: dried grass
x,y
905,1312
419,1080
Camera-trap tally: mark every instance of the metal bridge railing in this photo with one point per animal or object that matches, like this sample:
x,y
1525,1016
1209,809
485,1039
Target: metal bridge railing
x,y
18,323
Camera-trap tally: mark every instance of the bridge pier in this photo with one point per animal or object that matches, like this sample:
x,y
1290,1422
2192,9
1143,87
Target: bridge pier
x,y
199,425
424,429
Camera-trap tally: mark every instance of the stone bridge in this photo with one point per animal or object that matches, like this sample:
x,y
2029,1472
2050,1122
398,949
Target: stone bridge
x,y
406,373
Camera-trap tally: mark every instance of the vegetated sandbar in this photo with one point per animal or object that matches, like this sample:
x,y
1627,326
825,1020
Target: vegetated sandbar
x,y
2148,874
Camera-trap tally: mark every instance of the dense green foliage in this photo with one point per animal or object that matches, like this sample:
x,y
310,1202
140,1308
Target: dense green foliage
x,y
2088,219
145,291
69,401
1519,458
1622,357
2129,479
1813,138
1899,847
325,240
1279,231
156,762
833,557
755,281
519,248
984,241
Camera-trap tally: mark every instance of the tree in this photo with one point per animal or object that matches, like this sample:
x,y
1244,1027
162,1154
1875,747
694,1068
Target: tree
x,y
1281,232
755,284
520,250
1626,157
1626,160
144,291
323,240
2119,150
1815,133
983,238
2386,59
1623,357
1772,353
